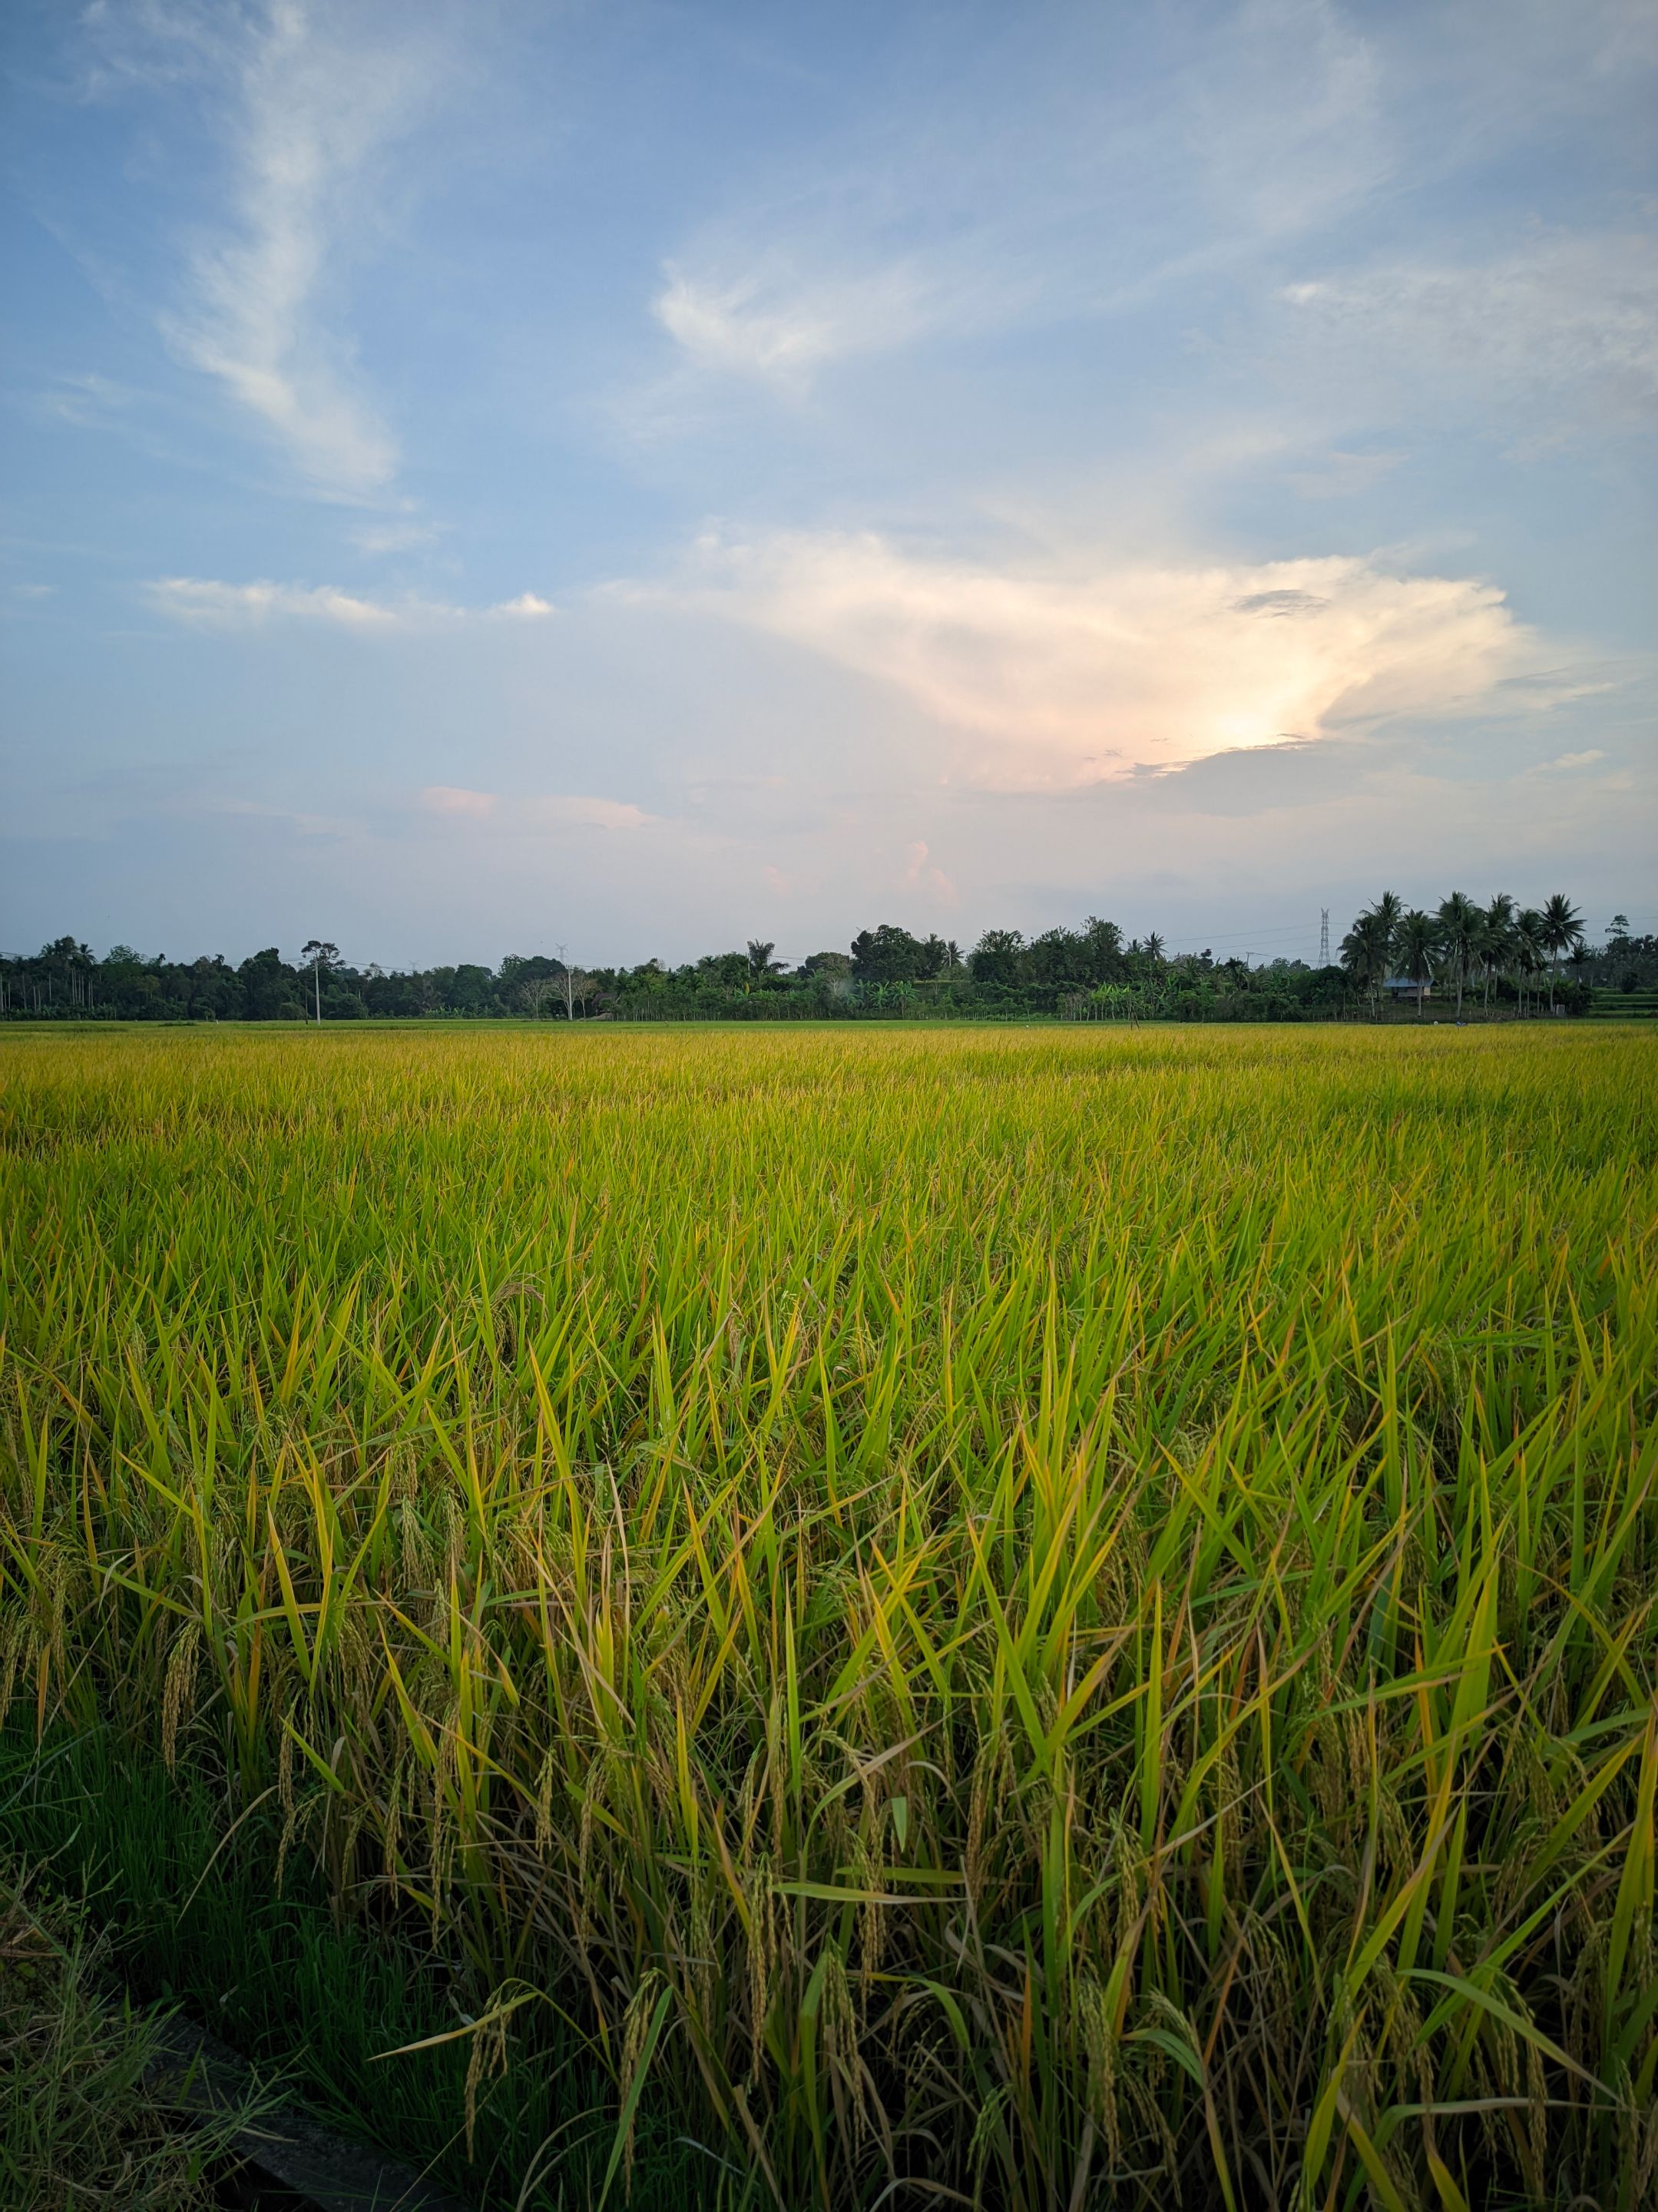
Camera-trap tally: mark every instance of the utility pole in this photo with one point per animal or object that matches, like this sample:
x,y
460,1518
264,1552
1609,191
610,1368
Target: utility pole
x,y
316,952
1324,937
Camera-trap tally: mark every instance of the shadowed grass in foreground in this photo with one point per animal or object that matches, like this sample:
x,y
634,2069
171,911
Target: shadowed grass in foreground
x,y
77,2124
188,1899
1067,1617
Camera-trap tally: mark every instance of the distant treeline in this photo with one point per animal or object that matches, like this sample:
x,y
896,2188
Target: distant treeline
x,y
1496,958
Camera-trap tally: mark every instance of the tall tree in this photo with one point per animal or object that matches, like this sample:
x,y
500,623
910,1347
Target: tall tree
x,y
1562,932
319,954
887,954
1529,950
1497,938
1389,911
1103,942
761,963
1460,924
999,958
1364,952
1416,944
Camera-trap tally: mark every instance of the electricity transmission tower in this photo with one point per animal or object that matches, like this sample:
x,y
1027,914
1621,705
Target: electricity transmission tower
x,y
1324,937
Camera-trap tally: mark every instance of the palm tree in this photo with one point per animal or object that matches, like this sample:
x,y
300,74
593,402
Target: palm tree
x,y
1563,931
1496,937
1528,947
761,963
1389,911
1461,926
1386,913
1364,952
1416,946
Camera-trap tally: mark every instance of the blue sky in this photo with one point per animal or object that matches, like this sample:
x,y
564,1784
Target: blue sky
x,y
642,477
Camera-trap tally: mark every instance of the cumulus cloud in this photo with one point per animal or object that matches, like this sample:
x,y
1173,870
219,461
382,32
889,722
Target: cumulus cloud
x,y
1050,679
921,872
209,603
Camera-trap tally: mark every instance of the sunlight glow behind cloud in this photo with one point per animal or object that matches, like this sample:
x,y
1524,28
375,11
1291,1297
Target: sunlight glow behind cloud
x,y
1057,678
993,416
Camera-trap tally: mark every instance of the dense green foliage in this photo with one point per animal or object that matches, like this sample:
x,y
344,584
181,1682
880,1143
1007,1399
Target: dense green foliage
x,y
1086,974
1063,1616
1468,953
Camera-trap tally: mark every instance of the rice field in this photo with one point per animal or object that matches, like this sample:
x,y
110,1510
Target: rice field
x,y
1039,1619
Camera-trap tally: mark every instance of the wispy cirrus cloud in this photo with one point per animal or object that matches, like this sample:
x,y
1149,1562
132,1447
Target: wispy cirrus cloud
x,y
1052,675
1564,327
453,798
376,537
210,603
535,811
773,320
306,101
890,236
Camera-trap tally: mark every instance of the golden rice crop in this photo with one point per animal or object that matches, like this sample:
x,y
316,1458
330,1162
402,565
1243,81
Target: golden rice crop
x,y
1065,1618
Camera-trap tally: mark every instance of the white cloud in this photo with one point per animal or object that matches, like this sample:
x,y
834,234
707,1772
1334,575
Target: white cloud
x,y
540,811
1568,320
307,825
1045,185
446,799
1565,763
774,322
577,813
395,536
306,104
1334,474
1285,115
87,401
243,606
1051,677
921,874
213,605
